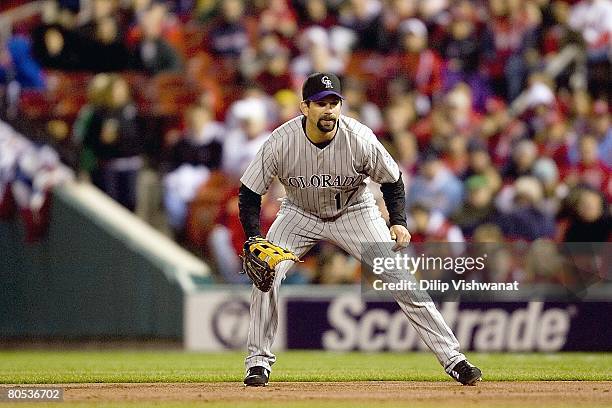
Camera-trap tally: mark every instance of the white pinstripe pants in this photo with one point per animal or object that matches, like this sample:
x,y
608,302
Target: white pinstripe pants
x,y
299,231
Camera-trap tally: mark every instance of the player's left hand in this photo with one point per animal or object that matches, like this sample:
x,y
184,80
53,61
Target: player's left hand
x,y
401,236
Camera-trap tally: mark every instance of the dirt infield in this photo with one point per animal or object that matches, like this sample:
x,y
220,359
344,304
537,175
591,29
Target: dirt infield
x,y
386,393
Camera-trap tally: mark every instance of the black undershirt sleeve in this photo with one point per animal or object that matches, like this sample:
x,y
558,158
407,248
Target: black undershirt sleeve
x,y
249,205
395,200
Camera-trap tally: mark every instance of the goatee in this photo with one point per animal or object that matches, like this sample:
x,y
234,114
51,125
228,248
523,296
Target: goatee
x,y
324,128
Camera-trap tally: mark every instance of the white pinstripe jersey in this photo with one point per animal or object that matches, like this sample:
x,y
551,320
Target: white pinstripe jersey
x,y
326,181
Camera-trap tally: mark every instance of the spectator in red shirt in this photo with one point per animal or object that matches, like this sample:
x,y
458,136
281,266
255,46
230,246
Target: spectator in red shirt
x,y
227,237
511,32
279,17
560,34
267,64
590,170
428,225
456,156
316,13
555,140
275,75
421,65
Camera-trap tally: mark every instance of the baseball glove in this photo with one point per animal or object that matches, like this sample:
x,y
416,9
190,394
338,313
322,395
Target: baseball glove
x,y
259,257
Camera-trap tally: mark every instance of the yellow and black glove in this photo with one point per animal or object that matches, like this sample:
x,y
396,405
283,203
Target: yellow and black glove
x,y
260,257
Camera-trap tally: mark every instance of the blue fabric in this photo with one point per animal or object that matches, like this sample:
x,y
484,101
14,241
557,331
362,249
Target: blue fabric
x,y
119,185
604,150
444,194
27,71
527,223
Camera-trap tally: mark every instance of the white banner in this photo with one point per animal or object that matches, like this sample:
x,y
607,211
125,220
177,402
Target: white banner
x,y
218,320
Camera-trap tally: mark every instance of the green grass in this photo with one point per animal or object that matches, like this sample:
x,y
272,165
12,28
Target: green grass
x,y
49,367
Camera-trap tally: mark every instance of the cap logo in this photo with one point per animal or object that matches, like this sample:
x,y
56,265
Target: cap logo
x,y
327,82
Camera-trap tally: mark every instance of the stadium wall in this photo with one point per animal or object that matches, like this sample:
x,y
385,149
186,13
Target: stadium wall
x,y
99,272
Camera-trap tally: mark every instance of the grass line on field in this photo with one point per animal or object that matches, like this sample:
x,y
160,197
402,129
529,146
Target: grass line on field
x,y
53,367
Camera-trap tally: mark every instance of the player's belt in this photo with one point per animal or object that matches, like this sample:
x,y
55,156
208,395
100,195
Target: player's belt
x,y
331,219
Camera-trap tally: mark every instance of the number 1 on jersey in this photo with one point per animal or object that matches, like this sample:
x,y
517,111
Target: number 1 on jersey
x,y
350,193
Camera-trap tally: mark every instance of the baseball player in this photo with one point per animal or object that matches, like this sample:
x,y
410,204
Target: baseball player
x,y
323,159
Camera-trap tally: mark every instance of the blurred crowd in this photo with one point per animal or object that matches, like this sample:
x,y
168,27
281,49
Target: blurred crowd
x,y
498,112
28,173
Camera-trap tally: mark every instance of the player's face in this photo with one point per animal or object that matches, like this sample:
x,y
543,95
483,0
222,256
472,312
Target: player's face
x,y
324,113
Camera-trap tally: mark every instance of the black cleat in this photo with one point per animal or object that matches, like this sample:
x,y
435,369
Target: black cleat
x,y
257,377
466,373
